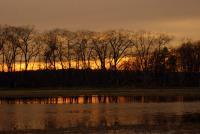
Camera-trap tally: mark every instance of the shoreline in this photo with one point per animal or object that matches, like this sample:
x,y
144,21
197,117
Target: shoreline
x,y
61,92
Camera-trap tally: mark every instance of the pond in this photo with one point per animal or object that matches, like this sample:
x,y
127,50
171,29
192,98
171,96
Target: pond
x,y
100,114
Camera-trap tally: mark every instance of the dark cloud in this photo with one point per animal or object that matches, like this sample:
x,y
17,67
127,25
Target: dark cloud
x,y
104,14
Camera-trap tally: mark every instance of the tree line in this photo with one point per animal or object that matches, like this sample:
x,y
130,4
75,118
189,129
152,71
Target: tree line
x,y
115,57
114,49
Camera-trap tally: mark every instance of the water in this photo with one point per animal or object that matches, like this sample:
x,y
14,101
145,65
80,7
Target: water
x,y
100,114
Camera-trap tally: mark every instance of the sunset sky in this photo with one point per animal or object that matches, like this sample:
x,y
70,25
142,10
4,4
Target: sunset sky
x,y
177,17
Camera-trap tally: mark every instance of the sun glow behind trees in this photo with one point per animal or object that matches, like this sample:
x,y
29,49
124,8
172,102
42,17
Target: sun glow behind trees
x,y
23,48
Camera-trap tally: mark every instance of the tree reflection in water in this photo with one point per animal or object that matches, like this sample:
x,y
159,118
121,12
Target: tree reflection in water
x,y
96,99
100,114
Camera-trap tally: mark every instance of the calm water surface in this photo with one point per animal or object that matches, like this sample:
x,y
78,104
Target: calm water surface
x,y
100,114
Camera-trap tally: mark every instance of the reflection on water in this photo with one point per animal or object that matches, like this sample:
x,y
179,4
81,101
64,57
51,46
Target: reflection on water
x,y
96,99
101,114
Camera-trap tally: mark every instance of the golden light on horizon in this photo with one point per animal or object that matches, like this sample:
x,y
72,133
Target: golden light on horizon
x,y
42,66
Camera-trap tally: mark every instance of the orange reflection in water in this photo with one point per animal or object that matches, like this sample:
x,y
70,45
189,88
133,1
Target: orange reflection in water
x,y
162,117
96,99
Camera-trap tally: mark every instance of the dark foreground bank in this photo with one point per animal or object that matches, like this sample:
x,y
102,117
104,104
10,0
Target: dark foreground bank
x,y
98,78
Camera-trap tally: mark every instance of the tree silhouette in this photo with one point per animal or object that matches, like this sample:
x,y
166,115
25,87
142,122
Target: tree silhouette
x,y
11,47
119,43
99,41
29,49
50,52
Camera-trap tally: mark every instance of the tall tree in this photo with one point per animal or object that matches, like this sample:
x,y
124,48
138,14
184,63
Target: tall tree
x,y
50,51
100,46
119,44
69,38
29,49
11,47
2,52
145,44
188,55
83,47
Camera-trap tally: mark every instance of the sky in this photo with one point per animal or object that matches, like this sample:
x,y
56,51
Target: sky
x,y
180,18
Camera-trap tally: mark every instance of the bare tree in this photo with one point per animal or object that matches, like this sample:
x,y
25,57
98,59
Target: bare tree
x,y
58,48
158,60
69,38
28,47
160,53
100,46
61,46
145,43
40,46
11,47
2,52
50,51
119,44
83,48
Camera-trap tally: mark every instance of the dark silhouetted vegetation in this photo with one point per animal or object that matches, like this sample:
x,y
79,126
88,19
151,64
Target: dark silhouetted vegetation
x,y
115,58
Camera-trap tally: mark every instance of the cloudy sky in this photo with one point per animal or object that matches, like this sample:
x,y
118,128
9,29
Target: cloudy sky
x,y
177,17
